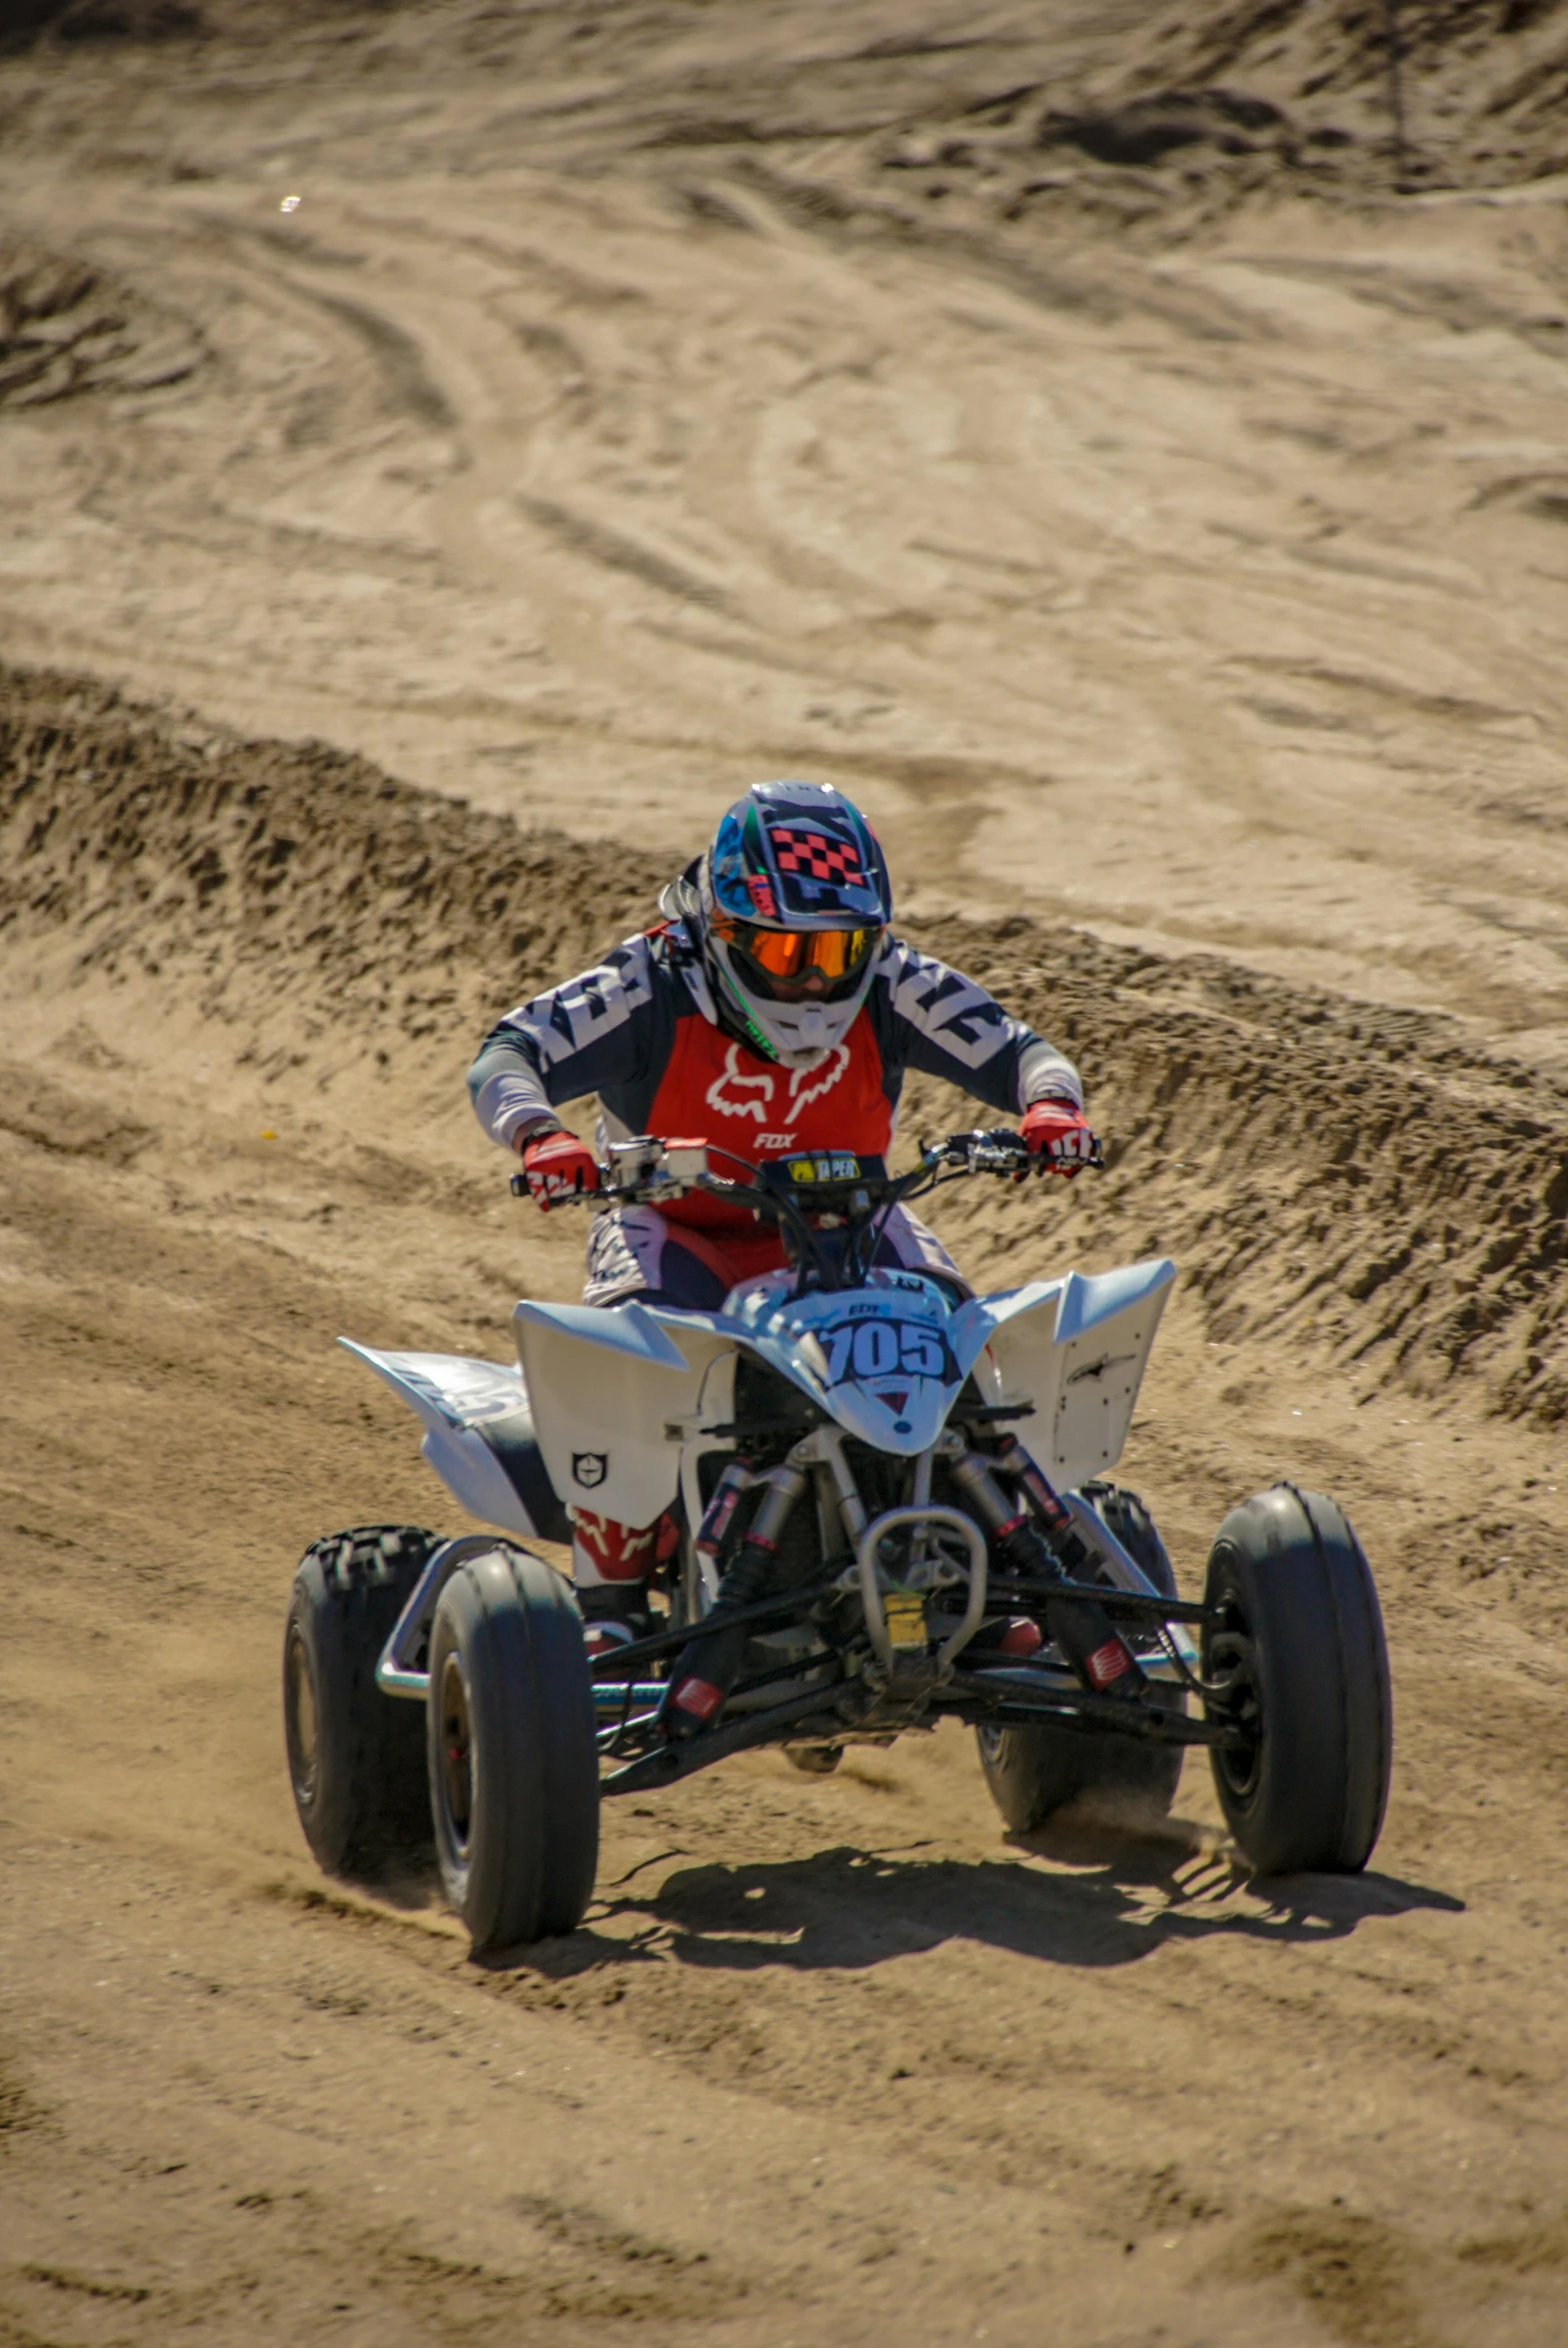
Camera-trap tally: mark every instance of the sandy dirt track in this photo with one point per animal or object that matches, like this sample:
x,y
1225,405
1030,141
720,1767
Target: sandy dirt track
x,y
1170,547
638,399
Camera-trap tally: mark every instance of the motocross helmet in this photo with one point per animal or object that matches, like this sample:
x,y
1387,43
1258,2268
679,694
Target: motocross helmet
x,y
793,902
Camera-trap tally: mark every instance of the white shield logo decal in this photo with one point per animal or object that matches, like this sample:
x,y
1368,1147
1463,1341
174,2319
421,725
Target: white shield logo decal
x,y
589,1468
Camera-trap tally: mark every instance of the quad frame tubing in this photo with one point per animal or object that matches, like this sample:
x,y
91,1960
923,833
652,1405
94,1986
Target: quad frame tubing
x,y
622,1706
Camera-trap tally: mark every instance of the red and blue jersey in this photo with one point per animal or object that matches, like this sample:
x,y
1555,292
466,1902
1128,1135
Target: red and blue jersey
x,y
643,1032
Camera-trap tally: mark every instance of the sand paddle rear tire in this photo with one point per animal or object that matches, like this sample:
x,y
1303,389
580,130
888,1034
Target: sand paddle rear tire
x,y
1033,1773
512,1751
355,1758
1298,1648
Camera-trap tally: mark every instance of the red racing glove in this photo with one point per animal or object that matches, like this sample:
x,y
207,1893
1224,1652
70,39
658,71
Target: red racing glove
x,y
1059,1137
558,1166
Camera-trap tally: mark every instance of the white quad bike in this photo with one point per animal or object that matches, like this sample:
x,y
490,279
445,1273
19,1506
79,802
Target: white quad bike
x,y
860,1542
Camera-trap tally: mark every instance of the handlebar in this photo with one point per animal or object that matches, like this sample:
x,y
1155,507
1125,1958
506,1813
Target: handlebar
x,y
786,1190
830,1206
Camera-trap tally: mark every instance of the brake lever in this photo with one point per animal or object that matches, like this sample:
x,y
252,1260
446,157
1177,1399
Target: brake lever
x,y
1001,1151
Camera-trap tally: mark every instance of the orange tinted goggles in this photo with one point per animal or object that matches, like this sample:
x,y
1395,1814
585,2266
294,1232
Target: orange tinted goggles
x,y
789,953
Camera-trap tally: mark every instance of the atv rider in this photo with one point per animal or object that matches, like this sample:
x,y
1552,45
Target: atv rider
x,y
771,1010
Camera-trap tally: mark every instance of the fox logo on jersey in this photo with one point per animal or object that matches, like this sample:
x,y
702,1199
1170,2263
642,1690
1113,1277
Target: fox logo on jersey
x,y
734,1093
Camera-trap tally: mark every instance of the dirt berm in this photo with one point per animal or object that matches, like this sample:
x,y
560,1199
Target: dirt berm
x,y
829,2060
1330,1173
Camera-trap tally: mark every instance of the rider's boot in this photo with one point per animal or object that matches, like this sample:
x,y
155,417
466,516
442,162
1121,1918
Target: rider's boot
x,y
610,1564
614,1618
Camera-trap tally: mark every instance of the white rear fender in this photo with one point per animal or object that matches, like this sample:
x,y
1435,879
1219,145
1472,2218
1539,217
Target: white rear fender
x,y
606,1382
1077,1349
478,1436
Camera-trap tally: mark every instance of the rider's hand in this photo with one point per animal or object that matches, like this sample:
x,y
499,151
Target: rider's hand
x,y
1059,1137
558,1166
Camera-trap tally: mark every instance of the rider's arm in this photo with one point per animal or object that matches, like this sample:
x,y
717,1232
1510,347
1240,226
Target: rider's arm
x,y
595,1033
935,1020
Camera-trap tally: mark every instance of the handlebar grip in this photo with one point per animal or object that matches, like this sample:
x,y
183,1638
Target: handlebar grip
x,y
517,1184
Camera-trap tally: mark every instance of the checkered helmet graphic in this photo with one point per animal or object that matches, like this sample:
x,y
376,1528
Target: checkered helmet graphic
x,y
792,857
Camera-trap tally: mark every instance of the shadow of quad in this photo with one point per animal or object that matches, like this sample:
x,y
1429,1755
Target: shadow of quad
x,y
1103,1899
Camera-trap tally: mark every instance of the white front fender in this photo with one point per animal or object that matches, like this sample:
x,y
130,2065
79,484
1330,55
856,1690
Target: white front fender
x,y
605,1381
1077,1349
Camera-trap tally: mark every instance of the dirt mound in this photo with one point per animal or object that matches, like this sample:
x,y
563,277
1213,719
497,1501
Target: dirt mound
x,y
68,327
1481,83
22,22
1352,1176
183,845
1344,46
1213,105
1151,129
1333,1171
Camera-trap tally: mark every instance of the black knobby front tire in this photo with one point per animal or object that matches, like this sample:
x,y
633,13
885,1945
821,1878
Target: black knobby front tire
x,y
356,1757
1300,1645
1033,1773
512,1755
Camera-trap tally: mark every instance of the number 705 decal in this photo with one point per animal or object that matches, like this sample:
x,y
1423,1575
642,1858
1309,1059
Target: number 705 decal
x,y
884,1349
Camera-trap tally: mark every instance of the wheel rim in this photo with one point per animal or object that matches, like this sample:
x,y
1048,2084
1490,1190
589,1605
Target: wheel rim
x,y
298,1717
457,1754
1233,1667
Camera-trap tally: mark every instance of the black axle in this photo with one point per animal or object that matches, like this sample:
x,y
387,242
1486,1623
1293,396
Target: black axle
x,y
665,1763
786,1603
989,1706
977,1703
1132,1606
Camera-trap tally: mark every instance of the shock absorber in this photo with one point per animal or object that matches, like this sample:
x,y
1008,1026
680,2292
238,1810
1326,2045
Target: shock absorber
x,y
1100,1659
710,1664
718,1515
